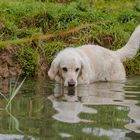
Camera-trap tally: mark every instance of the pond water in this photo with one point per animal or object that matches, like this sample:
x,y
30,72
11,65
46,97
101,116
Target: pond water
x,y
43,110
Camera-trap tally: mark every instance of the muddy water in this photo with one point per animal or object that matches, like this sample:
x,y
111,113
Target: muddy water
x,y
43,110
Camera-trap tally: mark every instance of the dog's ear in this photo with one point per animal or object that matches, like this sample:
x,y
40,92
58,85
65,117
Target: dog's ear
x,y
84,72
53,69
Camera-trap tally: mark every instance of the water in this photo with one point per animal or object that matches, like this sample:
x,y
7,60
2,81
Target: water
x,y
43,110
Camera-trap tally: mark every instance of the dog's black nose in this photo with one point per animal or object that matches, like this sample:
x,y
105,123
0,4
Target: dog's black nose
x,y
71,83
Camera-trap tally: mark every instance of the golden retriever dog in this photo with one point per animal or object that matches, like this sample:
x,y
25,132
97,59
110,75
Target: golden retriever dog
x,y
91,63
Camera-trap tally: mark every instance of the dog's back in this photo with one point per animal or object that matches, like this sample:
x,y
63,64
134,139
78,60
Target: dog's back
x,y
104,63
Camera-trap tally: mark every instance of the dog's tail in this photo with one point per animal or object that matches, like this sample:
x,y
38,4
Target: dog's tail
x,y
132,46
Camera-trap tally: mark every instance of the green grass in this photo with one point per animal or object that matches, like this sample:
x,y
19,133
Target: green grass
x,y
12,94
24,21
27,56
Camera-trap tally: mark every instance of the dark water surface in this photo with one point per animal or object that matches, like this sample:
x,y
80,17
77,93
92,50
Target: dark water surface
x,y
43,110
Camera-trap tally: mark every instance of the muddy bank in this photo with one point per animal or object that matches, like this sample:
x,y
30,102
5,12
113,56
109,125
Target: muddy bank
x,y
13,62
8,63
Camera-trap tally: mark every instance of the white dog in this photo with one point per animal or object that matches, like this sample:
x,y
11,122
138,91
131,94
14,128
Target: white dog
x,y
90,63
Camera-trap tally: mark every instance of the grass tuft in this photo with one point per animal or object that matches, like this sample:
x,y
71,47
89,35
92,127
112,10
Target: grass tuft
x,y
14,93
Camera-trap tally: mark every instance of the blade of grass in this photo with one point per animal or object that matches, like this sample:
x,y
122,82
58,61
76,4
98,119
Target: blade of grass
x,y
15,86
4,96
16,121
14,93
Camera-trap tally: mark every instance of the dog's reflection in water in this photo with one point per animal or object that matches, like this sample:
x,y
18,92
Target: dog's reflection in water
x,y
71,91
70,102
68,105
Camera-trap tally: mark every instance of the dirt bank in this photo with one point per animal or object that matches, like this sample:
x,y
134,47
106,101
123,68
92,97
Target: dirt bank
x,y
13,63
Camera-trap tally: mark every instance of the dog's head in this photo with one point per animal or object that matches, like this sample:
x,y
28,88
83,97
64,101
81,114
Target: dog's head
x,y
69,66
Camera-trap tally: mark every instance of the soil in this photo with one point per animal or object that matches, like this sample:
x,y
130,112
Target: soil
x,y
8,64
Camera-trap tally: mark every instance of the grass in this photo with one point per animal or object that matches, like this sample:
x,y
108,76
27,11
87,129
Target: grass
x,y
13,93
55,25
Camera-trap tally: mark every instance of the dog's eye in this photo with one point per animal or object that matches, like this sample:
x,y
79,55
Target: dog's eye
x,y
65,69
77,69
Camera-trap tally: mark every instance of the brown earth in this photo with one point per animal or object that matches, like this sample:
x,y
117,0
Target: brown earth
x,y
8,64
